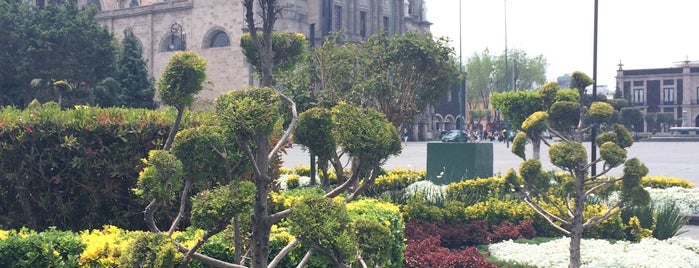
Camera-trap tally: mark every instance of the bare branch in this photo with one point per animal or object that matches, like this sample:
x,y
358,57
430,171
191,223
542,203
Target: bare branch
x,y
570,210
183,204
305,259
208,234
289,129
251,156
208,260
276,217
368,182
536,209
150,218
283,253
600,218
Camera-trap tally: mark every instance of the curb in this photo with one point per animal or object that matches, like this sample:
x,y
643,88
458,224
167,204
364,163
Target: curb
x,y
693,219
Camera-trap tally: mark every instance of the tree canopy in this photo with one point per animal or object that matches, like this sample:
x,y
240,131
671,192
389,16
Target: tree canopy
x,y
398,75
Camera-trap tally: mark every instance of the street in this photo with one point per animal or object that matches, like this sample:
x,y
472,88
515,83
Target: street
x,y
672,159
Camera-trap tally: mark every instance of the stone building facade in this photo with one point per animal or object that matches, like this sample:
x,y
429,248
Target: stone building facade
x,y
212,28
668,90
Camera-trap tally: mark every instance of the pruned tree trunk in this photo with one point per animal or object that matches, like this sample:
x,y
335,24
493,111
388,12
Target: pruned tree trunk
x,y
576,228
261,225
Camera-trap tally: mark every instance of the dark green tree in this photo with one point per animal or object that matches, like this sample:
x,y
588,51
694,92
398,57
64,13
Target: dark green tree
x,y
137,88
65,42
631,118
15,19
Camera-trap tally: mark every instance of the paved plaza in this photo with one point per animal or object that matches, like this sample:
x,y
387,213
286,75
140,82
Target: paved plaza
x,y
672,159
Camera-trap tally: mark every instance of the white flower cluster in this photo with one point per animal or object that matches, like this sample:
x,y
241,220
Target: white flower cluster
x,y
675,252
304,181
429,190
687,200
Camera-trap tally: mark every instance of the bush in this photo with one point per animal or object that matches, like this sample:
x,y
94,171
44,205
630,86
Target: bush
x,y
476,190
394,180
458,236
428,253
51,248
379,227
58,165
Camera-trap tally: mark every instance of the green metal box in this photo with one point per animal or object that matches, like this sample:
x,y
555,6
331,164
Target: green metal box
x,y
449,162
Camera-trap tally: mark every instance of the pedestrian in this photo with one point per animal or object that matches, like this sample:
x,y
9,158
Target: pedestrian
x,y
405,135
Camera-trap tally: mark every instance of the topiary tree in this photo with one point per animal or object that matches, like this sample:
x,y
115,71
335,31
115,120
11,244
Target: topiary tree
x,y
183,78
323,225
289,49
314,130
571,156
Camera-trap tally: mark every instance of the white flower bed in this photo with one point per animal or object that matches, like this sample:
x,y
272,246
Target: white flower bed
x,y
650,252
687,200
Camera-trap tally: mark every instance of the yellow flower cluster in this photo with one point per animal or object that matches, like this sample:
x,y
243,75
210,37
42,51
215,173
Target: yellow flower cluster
x,y
663,182
4,234
103,247
637,231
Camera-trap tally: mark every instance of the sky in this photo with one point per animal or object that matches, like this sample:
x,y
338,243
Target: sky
x,y
638,33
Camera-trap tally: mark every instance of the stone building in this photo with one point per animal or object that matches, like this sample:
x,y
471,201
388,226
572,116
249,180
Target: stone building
x,y
212,28
667,90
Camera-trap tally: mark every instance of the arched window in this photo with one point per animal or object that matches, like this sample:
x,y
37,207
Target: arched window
x,y
219,39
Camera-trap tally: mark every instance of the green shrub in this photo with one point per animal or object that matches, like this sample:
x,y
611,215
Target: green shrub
x,y
50,248
323,223
148,250
417,209
379,228
476,190
57,165
394,180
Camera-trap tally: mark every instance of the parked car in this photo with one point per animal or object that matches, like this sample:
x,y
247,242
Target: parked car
x,y
453,136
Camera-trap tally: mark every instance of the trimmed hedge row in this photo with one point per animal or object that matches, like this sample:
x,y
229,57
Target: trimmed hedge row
x,y
74,169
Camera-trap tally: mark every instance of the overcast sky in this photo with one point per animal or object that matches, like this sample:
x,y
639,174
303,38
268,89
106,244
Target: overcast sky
x,y
639,33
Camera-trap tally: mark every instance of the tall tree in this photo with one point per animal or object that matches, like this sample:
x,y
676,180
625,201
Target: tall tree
x,y
15,19
407,72
137,87
261,154
398,75
523,72
480,68
66,43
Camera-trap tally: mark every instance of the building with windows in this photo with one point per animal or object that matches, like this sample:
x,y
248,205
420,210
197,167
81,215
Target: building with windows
x,y
212,28
664,90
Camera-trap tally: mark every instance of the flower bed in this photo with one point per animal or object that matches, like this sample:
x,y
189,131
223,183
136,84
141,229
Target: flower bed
x,y
650,252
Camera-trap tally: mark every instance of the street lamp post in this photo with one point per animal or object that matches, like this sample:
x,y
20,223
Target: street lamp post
x,y
177,34
462,86
507,82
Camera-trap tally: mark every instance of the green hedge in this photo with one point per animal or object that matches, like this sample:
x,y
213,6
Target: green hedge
x,y
74,169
